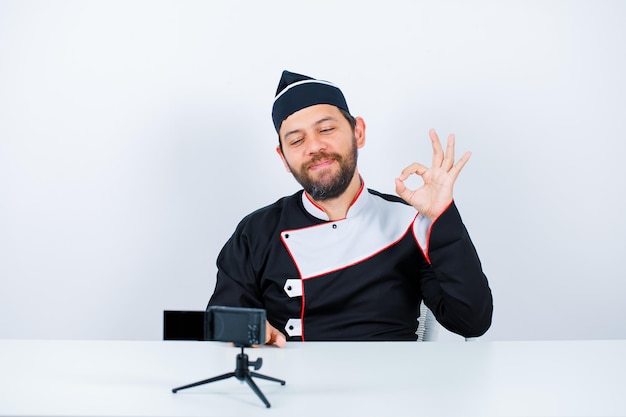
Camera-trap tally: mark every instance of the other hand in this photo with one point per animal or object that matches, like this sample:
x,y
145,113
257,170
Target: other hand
x,y
273,336
434,197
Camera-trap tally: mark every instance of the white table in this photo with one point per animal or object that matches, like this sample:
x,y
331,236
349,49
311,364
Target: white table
x,y
124,378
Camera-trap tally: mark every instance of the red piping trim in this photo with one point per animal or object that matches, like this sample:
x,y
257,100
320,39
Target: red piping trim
x,y
426,253
282,239
417,242
356,197
384,248
302,313
301,283
308,197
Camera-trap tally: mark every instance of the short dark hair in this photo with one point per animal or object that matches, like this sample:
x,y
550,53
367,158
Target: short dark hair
x,y
351,119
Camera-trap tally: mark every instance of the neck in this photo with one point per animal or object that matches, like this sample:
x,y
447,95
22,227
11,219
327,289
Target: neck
x,y
337,208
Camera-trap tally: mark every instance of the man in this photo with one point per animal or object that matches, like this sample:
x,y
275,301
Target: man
x,y
337,261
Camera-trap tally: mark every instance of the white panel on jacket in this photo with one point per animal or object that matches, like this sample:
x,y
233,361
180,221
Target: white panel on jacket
x,y
374,226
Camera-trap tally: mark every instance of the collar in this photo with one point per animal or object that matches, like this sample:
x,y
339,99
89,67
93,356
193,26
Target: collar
x,y
357,205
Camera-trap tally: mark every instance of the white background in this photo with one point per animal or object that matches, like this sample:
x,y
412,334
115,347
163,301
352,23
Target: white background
x,y
134,135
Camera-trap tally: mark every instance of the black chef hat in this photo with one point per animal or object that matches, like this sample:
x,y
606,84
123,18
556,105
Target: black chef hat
x,y
296,92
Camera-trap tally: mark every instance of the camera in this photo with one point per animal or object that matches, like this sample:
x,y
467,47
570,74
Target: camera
x,y
238,325
241,326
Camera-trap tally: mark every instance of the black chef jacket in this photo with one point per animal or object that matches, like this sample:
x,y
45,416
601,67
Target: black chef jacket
x,y
359,278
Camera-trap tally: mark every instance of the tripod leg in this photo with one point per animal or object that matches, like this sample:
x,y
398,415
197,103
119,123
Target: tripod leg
x,y
269,378
205,381
257,391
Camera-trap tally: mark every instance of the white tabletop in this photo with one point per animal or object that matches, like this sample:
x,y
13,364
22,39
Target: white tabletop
x,y
124,378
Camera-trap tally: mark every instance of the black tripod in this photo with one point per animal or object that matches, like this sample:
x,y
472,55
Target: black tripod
x,y
242,373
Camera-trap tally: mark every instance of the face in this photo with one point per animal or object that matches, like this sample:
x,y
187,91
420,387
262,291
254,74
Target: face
x,y
320,149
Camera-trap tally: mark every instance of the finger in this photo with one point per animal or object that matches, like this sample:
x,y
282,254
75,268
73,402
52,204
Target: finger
x,y
400,187
281,340
402,190
269,333
448,160
437,149
414,168
278,339
456,169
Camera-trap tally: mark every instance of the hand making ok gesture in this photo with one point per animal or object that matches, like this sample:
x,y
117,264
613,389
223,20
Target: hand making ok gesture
x,y
432,198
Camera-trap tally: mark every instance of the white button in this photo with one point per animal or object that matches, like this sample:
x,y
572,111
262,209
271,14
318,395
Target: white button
x,y
294,327
293,287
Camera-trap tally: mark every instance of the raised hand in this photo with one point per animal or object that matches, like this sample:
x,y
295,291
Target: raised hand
x,y
435,195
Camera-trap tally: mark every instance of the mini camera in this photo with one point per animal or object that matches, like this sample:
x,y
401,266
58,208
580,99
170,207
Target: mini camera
x,y
241,326
238,325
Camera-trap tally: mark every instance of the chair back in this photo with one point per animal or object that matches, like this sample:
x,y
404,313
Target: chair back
x,y
428,328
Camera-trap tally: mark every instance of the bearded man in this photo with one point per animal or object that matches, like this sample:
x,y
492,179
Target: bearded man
x,y
338,261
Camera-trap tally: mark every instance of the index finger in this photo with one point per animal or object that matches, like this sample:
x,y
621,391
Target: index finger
x,y
414,168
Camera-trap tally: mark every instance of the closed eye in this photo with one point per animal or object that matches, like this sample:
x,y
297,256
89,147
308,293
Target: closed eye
x,y
295,141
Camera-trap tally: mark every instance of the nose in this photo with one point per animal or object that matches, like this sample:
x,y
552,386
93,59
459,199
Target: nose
x,y
316,144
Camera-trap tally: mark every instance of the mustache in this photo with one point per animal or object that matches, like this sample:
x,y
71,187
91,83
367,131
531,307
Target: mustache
x,y
320,156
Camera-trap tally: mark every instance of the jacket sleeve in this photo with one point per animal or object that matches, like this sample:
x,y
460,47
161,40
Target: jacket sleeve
x,y
454,285
237,284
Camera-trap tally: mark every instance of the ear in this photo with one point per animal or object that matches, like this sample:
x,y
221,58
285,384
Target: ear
x,y
359,132
282,158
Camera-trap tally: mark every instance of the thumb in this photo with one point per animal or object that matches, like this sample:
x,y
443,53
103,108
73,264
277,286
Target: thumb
x,y
402,190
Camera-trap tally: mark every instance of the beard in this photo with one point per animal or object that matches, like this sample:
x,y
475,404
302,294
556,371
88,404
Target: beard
x,y
328,185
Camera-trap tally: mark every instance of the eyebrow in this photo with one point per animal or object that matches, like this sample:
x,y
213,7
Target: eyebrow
x,y
319,122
